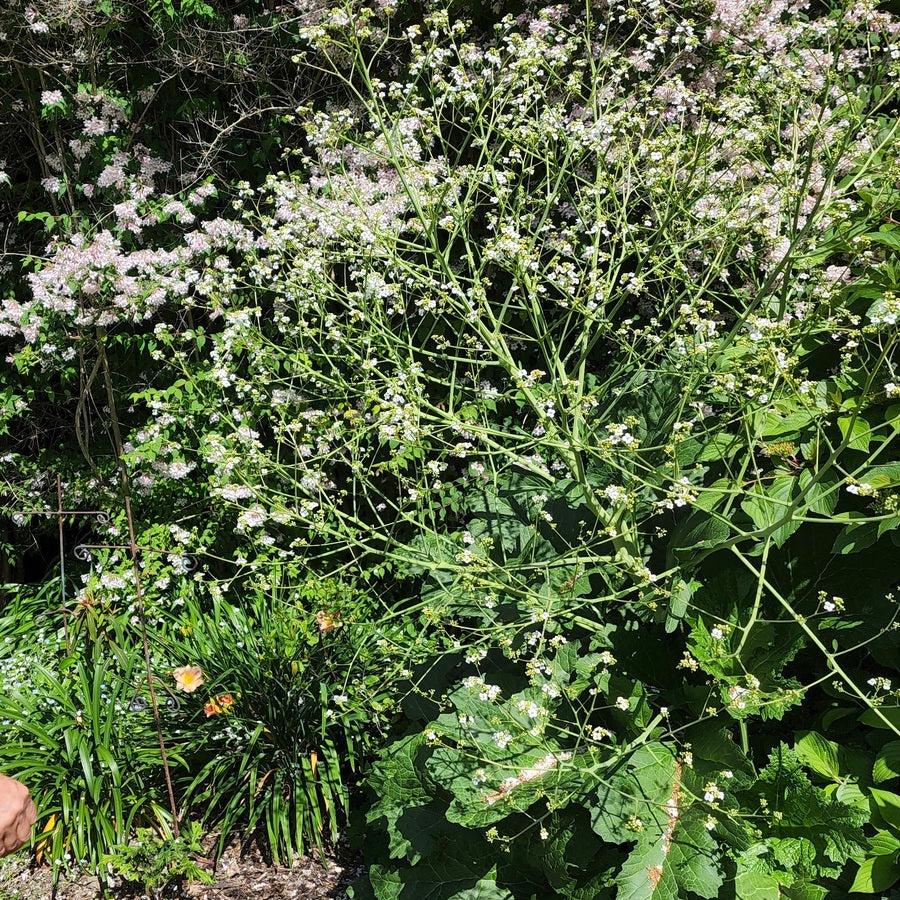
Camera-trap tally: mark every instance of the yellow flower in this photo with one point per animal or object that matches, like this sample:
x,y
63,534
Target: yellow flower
x,y
188,678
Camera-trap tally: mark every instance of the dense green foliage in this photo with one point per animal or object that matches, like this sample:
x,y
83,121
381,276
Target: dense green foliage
x,y
508,425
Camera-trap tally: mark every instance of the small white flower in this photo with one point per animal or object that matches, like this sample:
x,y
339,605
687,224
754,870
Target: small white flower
x,y
623,703
736,694
490,692
531,709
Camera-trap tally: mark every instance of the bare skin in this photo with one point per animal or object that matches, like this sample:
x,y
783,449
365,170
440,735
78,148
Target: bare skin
x,y
17,815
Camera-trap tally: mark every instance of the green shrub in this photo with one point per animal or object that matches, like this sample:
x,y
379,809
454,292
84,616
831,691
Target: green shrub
x,y
91,763
156,861
292,698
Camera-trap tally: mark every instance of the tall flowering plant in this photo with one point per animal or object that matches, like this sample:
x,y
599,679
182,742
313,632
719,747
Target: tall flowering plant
x,y
584,334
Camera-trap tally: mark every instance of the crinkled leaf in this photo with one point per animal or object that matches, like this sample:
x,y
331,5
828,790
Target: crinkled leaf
x,y
445,876
638,791
480,794
416,831
803,890
576,863
397,775
396,783
757,886
809,833
644,874
681,859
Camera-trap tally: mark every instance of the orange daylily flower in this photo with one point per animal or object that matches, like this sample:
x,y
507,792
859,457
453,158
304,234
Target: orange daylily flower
x,y
219,704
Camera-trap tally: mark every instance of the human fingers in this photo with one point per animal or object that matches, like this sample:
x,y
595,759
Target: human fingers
x,y
7,846
25,822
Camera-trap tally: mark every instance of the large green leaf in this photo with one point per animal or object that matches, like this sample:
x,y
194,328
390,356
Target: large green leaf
x,y
649,800
402,805
769,503
876,874
638,792
803,890
877,719
821,494
856,431
881,477
681,861
450,875
575,861
888,806
775,425
887,762
887,238
714,751
757,886
397,776
703,527
821,755
855,537
678,603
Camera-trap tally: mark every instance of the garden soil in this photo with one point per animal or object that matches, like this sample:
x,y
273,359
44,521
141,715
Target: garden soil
x,y
238,877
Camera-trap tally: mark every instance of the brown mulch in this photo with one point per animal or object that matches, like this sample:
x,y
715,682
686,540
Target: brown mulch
x,y
238,877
